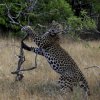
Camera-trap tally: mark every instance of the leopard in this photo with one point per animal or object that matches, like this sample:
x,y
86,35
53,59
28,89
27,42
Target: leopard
x,y
59,60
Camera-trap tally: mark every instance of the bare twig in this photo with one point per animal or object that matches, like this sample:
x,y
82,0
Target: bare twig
x,y
39,25
11,17
28,69
92,67
18,15
33,3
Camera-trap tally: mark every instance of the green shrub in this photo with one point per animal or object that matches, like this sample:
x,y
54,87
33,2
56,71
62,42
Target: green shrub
x,y
78,24
44,12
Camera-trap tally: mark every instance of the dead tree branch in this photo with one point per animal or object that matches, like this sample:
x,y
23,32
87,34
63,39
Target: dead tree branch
x,y
12,18
92,67
32,3
21,61
95,72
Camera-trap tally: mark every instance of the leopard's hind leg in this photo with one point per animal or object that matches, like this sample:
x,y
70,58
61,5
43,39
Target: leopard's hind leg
x,y
65,83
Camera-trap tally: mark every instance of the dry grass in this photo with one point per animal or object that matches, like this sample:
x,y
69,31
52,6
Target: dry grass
x,y
40,84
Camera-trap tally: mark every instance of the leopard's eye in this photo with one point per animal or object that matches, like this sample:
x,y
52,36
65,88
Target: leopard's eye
x,y
52,33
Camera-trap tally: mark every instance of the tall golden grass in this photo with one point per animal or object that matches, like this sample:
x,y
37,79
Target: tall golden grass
x,y
40,83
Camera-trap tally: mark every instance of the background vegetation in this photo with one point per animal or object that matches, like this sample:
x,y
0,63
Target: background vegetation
x,y
33,12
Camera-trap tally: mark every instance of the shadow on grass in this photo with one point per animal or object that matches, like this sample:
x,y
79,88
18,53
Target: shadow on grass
x,y
44,89
47,88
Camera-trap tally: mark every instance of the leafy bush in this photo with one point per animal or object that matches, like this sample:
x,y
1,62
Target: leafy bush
x,y
44,12
83,23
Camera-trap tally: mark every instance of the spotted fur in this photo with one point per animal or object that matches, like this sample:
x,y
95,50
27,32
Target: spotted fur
x,y
59,59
